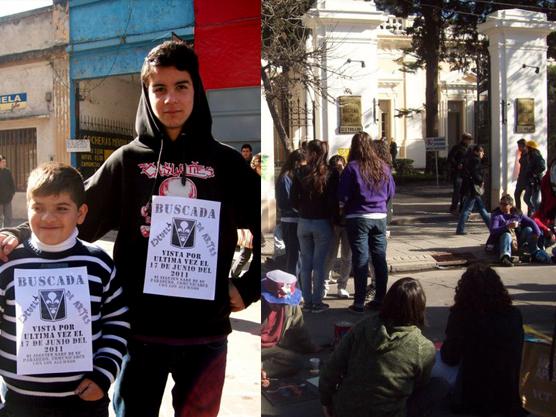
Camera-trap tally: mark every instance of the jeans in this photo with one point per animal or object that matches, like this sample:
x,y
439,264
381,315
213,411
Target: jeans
x,y
519,188
6,213
532,198
367,238
314,242
197,370
289,234
456,193
525,234
339,239
468,205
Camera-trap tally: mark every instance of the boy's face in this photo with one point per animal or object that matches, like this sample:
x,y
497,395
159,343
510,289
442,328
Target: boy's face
x,y
171,96
53,218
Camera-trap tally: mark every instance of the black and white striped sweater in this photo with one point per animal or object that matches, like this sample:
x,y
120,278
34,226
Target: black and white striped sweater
x,y
109,321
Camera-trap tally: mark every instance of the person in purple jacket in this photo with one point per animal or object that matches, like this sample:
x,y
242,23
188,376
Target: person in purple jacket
x,y
506,225
365,187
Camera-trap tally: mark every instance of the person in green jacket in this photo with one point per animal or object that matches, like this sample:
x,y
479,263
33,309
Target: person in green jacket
x,y
382,366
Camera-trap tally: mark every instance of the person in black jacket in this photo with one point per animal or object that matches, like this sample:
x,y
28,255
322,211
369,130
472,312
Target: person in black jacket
x,y
313,194
472,188
521,184
175,155
536,165
456,156
484,335
7,191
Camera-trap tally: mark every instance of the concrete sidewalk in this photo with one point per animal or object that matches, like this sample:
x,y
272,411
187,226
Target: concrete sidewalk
x,y
422,232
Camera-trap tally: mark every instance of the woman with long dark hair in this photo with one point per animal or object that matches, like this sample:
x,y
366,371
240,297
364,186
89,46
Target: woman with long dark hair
x,y
336,164
383,364
313,195
288,215
484,336
365,187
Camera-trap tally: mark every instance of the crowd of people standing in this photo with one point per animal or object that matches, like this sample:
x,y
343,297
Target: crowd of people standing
x,y
326,203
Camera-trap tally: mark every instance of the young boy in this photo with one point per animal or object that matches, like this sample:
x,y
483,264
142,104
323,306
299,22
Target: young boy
x,y
63,320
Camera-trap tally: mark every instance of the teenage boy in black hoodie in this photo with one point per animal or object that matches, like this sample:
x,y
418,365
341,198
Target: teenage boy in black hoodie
x,y
173,154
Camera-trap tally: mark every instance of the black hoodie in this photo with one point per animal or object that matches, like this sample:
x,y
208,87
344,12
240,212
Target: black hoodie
x,y
118,195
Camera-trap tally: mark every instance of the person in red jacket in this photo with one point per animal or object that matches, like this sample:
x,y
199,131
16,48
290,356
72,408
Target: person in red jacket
x,y
545,216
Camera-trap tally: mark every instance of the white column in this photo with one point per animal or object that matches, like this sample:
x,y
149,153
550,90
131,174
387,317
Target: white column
x,y
516,38
348,28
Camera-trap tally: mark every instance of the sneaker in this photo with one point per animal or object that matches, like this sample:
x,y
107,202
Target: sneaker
x,y
319,308
388,234
506,261
330,281
356,309
343,293
461,233
373,305
370,292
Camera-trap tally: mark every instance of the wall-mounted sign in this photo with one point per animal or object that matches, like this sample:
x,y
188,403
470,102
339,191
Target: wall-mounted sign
x,y
11,102
78,145
350,114
525,115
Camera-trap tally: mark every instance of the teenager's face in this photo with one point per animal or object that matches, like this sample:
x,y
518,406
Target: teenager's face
x,y
505,207
246,153
53,218
171,96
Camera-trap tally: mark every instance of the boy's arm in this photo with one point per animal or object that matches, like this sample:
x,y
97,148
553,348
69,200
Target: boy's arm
x,y
107,359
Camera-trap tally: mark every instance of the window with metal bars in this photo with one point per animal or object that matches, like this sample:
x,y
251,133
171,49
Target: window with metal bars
x,y
19,146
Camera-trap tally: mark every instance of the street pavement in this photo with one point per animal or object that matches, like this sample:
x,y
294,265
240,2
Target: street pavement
x,y
423,245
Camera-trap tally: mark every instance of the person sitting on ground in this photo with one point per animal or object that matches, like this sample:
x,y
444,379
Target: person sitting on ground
x,y
284,337
484,335
510,229
384,362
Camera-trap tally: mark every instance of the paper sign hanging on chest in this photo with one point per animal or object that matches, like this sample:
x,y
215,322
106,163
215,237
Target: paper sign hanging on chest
x,y
183,248
53,321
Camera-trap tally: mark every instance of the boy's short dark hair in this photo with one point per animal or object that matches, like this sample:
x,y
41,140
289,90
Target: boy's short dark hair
x,y
521,142
246,146
170,54
53,178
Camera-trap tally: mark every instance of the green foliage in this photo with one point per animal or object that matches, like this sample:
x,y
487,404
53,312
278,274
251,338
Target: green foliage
x,y
404,166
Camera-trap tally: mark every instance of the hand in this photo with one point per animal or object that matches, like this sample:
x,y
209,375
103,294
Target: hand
x,y
512,225
236,302
327,411
89,391
8,243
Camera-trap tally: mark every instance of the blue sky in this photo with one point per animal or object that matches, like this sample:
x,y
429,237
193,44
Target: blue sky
x,y
15,6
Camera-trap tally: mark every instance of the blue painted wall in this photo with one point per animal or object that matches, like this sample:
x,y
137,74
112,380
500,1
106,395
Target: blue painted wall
x,y
112,37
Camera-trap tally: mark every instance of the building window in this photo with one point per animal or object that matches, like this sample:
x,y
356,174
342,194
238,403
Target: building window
x,y
19,146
